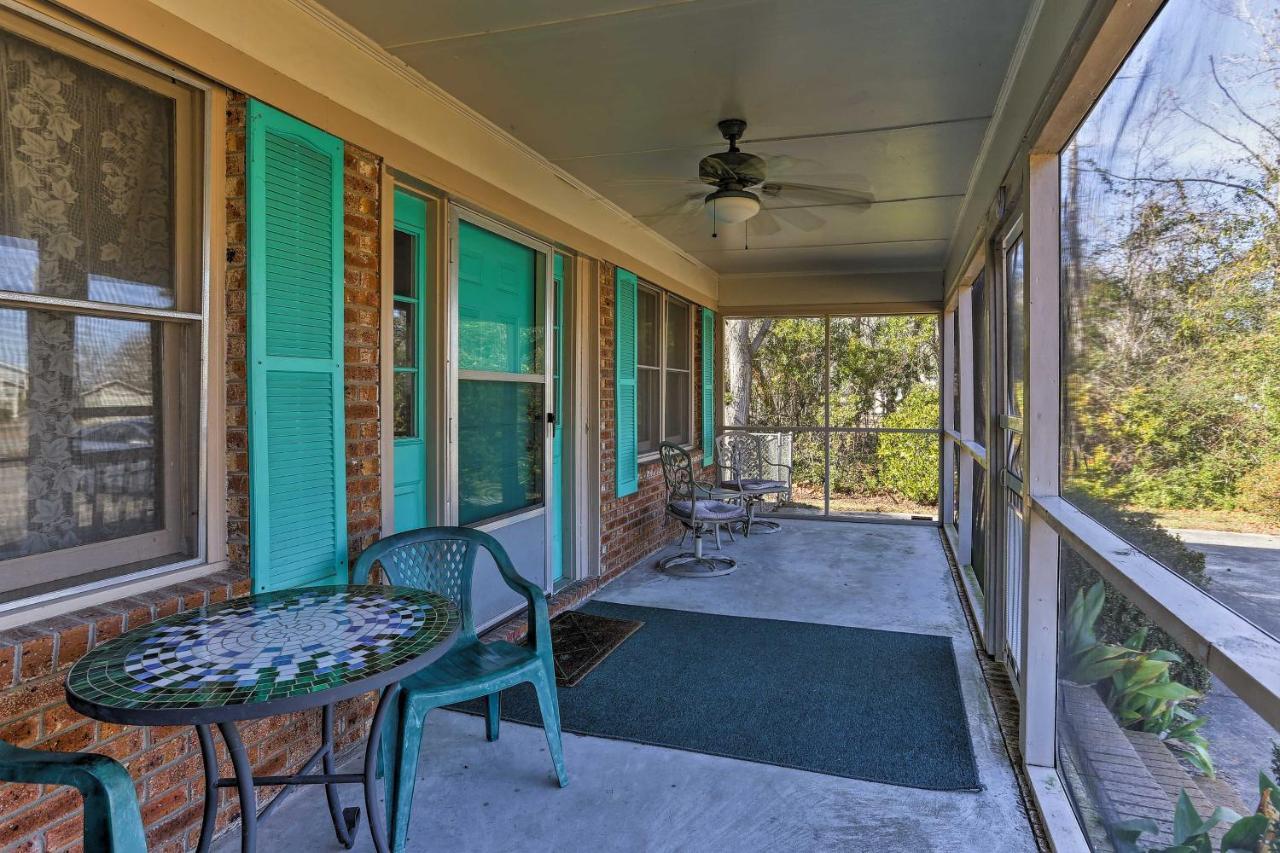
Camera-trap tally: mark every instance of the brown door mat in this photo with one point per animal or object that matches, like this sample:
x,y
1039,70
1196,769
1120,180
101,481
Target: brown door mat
x,y
582,640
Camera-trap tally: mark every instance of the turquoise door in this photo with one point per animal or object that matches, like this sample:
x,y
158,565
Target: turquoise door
x,y
408,314
557,438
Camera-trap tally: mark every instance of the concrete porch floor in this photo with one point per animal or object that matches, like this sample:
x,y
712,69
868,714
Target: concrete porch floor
x,y
478,796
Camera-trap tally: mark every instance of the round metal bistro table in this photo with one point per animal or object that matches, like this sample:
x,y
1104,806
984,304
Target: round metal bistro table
x,y
262,655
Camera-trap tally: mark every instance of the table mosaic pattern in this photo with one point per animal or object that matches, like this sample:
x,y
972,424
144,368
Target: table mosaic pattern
x,y
262,648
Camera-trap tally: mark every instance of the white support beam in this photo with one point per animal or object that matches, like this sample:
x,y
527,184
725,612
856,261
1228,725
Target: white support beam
x,y
964,350
946,461
1039,607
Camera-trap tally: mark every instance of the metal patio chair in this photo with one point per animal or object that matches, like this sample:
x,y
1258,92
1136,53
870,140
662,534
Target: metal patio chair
x,y
442,560
745,467
112,823
701,509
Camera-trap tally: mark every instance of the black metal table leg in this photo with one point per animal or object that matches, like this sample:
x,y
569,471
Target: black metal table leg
x,y
210,758
376,829
344,820
244,787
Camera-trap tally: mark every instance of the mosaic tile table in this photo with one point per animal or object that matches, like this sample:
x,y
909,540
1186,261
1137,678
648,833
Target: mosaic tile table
x,y
263,655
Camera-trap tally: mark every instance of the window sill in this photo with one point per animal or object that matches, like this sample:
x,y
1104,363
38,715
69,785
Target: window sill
x,y
655,456
24,612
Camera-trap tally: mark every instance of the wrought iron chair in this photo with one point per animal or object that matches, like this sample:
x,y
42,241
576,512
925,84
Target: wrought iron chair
x,y
745,467
112,822
442,559
701,509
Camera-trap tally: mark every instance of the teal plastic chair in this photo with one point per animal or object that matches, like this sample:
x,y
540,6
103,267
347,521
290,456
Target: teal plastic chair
x,y
442,560
112,822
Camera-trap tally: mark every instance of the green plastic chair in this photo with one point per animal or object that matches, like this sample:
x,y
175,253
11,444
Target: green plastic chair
x,y
112,822
442,560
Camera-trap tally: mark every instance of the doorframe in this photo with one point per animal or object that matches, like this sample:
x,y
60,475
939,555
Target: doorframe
x,y
572,419
586,403
457,214
431,346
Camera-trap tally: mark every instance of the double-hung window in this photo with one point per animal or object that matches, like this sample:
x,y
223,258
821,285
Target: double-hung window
x,y
101,323
664,370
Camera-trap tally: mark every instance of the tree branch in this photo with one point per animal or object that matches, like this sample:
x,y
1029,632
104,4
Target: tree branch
x,y
1244,188
1213,68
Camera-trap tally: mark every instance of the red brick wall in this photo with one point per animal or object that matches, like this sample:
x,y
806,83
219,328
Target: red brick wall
x,y
236,331
165,762
362,182
634,526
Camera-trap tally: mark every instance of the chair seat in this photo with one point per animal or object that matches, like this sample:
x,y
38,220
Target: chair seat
x,y
472,663
753,486
710,510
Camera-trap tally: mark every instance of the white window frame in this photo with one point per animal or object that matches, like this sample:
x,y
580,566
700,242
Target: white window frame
x,y
664,299
203,252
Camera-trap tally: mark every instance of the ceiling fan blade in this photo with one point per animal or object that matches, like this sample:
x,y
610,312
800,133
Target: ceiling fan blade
x,y
685,204
784,164
801,218
655,182
763,224
811,194
681,217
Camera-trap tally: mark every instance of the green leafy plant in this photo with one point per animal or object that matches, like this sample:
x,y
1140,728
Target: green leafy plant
x,y
1142,694
1275,759
1086,660
1138,685
1257,833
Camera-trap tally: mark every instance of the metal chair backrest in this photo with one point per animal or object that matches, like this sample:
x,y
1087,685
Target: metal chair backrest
x,y
677,472
438,559
742,456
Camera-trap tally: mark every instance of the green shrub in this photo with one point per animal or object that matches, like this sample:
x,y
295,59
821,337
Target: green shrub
x,y
1259,491
908,462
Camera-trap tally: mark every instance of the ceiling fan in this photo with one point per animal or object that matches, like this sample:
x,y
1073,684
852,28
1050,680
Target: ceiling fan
x,y
743,192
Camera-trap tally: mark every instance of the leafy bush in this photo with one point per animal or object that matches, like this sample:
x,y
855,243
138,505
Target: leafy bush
x,y
908,462
1259,491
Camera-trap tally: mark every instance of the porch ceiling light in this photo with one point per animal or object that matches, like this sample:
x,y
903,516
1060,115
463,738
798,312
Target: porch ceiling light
x,y
733,206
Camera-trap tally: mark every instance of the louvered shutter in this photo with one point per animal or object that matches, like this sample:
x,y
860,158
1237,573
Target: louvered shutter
x,y
708,385
625,368
297,477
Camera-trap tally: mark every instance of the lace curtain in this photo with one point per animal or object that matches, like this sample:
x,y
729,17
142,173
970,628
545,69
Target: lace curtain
x,y
86,212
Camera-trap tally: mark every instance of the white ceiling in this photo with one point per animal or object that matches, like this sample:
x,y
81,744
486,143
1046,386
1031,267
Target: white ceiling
x,y
890,97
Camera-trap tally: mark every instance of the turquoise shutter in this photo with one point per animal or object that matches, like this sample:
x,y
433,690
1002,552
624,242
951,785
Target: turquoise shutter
x,y
625,365
297,477
708,385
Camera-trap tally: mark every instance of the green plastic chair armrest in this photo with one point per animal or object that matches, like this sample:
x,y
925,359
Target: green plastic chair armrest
x,y
112,822
539,630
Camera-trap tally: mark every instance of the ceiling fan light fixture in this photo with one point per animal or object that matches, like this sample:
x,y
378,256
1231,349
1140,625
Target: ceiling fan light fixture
x,y
733,206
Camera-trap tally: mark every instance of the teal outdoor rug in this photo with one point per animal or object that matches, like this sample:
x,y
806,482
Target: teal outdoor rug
x,y
883,706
